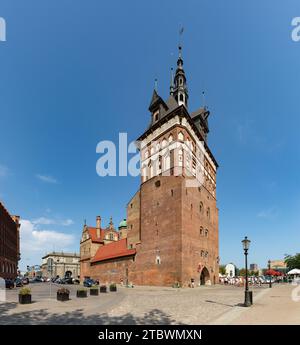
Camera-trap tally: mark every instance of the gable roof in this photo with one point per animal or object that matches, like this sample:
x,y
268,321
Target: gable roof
x,y
113,250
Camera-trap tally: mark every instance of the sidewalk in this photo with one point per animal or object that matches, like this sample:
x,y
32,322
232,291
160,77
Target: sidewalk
x,y
271,307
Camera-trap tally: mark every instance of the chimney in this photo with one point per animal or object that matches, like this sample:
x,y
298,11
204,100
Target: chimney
x,y
98,226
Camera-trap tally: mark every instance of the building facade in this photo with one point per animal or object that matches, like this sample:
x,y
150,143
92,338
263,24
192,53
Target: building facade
x,y
171,231
254,267
9,244
230,270
278,265
61,264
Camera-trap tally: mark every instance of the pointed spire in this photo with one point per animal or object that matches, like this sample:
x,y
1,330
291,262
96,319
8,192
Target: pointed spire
x,y
154,99
156,84
180,61
111,224
203,100
172,82
180,91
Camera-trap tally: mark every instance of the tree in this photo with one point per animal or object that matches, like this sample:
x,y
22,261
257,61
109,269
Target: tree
x,y
292,261
222,269
242,272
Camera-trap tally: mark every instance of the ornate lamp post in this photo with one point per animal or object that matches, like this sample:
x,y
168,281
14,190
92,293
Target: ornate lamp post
x,y
248,299
270,281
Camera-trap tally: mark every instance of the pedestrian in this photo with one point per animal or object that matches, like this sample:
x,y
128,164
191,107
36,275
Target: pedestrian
x,y
192,282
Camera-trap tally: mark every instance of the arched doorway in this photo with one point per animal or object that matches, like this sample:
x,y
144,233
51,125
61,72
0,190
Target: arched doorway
x,y
204,276
68,274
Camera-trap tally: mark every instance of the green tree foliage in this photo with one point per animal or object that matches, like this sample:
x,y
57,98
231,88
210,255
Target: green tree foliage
x,y
292,261
222,269
242,273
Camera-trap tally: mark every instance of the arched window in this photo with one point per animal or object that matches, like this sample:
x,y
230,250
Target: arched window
x,y
170,138
167,162
111,236
201,207
181,97
206,233
208,213
201,231
180,136
150,169
180,157
144,173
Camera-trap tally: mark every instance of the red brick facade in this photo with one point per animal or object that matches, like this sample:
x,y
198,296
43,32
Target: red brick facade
x,y
9,244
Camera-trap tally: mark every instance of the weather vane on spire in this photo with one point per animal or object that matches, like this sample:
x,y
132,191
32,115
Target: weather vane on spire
x,y
181,29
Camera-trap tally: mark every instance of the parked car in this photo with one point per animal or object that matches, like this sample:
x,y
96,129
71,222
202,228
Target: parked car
x,y
9,283
67,280
76,281
35,280
88,282
18,282
25,280
267,280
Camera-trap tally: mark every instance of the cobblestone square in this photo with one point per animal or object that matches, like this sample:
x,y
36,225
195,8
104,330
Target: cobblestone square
x,y
146,305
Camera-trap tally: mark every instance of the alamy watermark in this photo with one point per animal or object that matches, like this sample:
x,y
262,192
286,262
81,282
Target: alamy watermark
x,y
296,30
150,159
2,30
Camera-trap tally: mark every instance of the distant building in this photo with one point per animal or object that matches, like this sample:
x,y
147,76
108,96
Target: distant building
x,y
278,265
254,267
61,264
9,243
230,270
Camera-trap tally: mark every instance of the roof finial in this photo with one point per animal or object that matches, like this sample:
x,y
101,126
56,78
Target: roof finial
x,y
203,99
156,85
181,29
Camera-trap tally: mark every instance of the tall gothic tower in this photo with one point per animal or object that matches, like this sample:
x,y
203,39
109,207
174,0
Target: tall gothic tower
x,y
172,220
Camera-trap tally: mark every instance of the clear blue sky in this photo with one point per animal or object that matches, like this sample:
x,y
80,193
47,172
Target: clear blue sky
x,y
73,73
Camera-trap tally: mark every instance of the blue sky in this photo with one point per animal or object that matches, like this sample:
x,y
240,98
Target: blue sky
x,y
73,73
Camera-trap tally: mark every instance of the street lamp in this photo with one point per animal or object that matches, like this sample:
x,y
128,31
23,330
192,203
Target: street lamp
x,y
270,281
248,294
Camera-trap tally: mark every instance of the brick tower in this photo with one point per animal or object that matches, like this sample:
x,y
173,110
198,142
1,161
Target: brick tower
x,y
173,219
171,232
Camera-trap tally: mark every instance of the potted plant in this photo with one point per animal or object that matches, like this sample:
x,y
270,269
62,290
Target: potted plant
x,y
81,293
63,294
103,288
94,291
113,287
25,295
176,285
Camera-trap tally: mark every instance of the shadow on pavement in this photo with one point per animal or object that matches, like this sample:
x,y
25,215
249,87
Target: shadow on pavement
x,y
43,317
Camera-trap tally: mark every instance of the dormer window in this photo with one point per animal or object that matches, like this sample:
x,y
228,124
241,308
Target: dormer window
x,y
155,116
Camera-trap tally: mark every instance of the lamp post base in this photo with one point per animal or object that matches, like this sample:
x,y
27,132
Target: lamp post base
x,y
248,299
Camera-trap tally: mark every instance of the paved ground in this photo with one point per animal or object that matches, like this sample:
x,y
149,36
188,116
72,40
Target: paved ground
x,y
273,308
154,305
